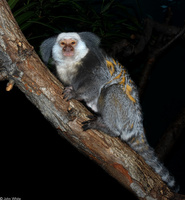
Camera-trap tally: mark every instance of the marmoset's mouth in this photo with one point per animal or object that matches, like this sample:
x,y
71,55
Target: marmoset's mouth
x,y
68,53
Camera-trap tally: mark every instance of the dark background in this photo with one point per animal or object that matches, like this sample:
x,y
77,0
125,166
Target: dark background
x,y
36,162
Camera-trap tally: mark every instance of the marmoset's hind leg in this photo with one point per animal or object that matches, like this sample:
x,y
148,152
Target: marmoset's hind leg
x,y
98,124
109,112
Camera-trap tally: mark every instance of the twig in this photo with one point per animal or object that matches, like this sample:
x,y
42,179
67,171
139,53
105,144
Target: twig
x,y
170,137
154,53
159,51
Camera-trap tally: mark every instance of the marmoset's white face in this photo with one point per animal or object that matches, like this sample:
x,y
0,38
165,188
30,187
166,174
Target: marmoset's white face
x,y
69,47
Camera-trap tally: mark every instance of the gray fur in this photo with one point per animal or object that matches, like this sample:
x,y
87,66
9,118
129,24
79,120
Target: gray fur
x,y
107,89
90,39
46,49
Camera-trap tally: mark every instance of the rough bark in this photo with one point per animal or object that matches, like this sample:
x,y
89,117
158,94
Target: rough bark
x,y
21,66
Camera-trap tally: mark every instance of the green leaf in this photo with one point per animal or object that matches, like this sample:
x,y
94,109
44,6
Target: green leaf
x,y
73,18
130,27
24,9
43,24
25,26
24,17
107,6
12,3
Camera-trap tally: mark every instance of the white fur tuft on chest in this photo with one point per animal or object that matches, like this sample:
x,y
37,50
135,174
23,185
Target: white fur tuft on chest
x,y
67,72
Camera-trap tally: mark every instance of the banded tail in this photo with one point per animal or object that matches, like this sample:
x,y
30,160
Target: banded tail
x,y
141,146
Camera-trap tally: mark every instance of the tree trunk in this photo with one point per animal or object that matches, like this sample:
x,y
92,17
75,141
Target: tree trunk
x,y
21,65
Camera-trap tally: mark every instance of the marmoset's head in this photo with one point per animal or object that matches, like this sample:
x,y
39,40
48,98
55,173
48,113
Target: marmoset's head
x,y
69,46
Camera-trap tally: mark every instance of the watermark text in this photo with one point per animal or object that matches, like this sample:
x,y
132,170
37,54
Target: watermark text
x,y
10,198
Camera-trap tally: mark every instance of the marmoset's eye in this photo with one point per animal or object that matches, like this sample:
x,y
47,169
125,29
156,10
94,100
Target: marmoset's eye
x,y
73,43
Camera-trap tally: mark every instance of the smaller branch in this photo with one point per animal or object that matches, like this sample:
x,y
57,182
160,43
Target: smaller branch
x,y
10,85
170,137
146,72
150,25
4,75
128,48
122,46
152,58
159,51
144,39
164,28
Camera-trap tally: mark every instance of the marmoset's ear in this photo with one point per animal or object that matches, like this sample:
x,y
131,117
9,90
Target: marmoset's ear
x,y
46,48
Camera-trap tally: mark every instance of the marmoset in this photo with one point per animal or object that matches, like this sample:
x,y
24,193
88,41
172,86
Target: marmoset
x,y
105,86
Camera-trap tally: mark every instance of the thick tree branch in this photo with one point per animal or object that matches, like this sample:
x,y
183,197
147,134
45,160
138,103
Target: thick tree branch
x,y
20,64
